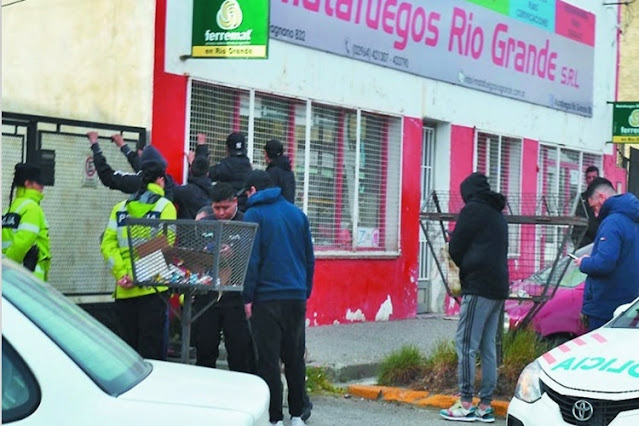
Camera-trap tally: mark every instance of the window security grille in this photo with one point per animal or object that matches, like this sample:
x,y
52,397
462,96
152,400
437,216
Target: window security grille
x,y
284,119
217,111
353,168
499,158
561,179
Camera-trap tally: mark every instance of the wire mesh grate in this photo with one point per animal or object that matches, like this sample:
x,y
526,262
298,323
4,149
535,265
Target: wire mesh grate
x,y
543,236
208,255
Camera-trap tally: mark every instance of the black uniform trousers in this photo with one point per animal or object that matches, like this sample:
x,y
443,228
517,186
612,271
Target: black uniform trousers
x,y
279,333
142,323
228,317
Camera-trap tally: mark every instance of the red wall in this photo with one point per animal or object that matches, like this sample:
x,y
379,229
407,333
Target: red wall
x,y
615,174
169,102
342,286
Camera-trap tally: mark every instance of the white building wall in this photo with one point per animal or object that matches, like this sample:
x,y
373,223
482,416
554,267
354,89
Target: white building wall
x,y
296,71
81,59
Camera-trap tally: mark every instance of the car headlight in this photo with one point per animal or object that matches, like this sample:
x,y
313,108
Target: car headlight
x,y
528,389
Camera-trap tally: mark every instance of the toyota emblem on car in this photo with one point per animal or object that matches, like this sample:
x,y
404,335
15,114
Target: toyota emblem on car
x,y
582,410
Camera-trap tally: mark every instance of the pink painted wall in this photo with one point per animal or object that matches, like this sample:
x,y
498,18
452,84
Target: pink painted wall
x,y
462,141
614,174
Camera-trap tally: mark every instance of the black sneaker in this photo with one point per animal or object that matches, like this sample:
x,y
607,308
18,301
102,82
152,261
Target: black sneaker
x,y
306,411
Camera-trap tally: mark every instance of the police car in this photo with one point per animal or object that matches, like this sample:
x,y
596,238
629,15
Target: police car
x,y
590,380
62,367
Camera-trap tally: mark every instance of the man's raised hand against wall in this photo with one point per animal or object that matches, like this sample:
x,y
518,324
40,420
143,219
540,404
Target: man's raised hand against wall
x,y
93,137
118,140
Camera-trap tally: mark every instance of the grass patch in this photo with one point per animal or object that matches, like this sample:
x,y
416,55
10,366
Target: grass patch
x,y
317,381
401,367
519,349
437,372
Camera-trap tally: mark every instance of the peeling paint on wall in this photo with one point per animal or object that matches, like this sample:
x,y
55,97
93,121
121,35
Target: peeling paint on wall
x,y
358,315
385,311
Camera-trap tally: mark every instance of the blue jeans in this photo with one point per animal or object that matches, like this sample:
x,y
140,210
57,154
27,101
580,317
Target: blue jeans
x,y
477,330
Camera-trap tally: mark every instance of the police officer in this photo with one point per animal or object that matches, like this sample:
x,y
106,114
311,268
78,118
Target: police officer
x,y
141,313
25,231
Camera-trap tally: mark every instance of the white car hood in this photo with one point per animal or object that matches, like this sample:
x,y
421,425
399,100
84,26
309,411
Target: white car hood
x,y
179,384
605,360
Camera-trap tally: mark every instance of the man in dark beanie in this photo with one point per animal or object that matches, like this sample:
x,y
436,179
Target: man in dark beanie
x,y
278,282
25,230
234,168
190,198
279,168
479,247
125,181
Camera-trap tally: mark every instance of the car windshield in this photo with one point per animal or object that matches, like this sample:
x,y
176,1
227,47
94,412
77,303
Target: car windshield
x,y
628,319
573,276
113,365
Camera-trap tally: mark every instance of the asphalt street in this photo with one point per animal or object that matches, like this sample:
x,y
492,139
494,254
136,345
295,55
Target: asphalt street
x,y
334,411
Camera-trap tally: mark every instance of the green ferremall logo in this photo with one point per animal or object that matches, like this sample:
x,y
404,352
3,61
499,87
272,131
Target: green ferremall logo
x,y
229,17
633,119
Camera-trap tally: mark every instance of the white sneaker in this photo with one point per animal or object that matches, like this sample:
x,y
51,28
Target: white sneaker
x,y
297,421
280,423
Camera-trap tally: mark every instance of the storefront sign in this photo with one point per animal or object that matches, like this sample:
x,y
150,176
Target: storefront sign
x,y
516,50
230,28
625,122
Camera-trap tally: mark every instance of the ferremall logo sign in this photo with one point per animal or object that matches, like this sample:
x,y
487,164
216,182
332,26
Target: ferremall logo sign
x,y
230,28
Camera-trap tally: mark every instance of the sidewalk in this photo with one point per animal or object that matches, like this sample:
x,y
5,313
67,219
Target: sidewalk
x,y
353,352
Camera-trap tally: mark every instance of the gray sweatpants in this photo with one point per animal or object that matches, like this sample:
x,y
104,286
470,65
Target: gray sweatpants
x,y
478,324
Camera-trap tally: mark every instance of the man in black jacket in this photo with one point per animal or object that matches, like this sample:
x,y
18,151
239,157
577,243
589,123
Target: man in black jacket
x,y
226,315
194,195
584,210
232,169
279,168
127,182
479,246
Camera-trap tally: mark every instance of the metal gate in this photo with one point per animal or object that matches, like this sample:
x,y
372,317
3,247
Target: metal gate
x,y
77,205
425,258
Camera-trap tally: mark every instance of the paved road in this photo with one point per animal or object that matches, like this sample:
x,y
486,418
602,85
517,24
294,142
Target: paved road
x,y
338,411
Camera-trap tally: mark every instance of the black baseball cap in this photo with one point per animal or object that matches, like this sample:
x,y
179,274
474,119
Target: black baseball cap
x,y
257,178
274,148
236,143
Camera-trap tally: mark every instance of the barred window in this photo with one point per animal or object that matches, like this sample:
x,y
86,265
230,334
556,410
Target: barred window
x,y
217,111
499,158
346,161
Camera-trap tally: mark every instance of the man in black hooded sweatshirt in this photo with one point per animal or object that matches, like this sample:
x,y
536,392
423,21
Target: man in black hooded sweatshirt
x,y
279,168
479,246
194,195
234,168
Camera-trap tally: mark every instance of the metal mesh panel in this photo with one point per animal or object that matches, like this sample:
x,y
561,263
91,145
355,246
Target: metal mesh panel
x,y
327,133
283,119
426,188
12,154
569,176
217,111
439,216
208,255
78,214
379,171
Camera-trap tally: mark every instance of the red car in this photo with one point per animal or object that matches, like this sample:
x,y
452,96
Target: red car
x,y
558,319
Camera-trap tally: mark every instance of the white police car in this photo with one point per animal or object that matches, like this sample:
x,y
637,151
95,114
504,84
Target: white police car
x,y
62,367
590,380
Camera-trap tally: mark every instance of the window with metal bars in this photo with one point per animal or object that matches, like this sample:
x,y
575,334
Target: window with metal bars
x,y
499,158
350,158
562,176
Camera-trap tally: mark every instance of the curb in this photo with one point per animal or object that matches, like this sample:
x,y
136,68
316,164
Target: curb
x,y
420,398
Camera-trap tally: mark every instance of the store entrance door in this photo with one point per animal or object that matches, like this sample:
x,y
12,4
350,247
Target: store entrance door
x,y
425,257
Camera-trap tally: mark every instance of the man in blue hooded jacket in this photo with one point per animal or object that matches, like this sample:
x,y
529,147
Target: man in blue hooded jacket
x,y
613,275
278,282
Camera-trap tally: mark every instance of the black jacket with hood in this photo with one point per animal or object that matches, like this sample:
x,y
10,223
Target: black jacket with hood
x,y
282,175
190,198
479,243
233,169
